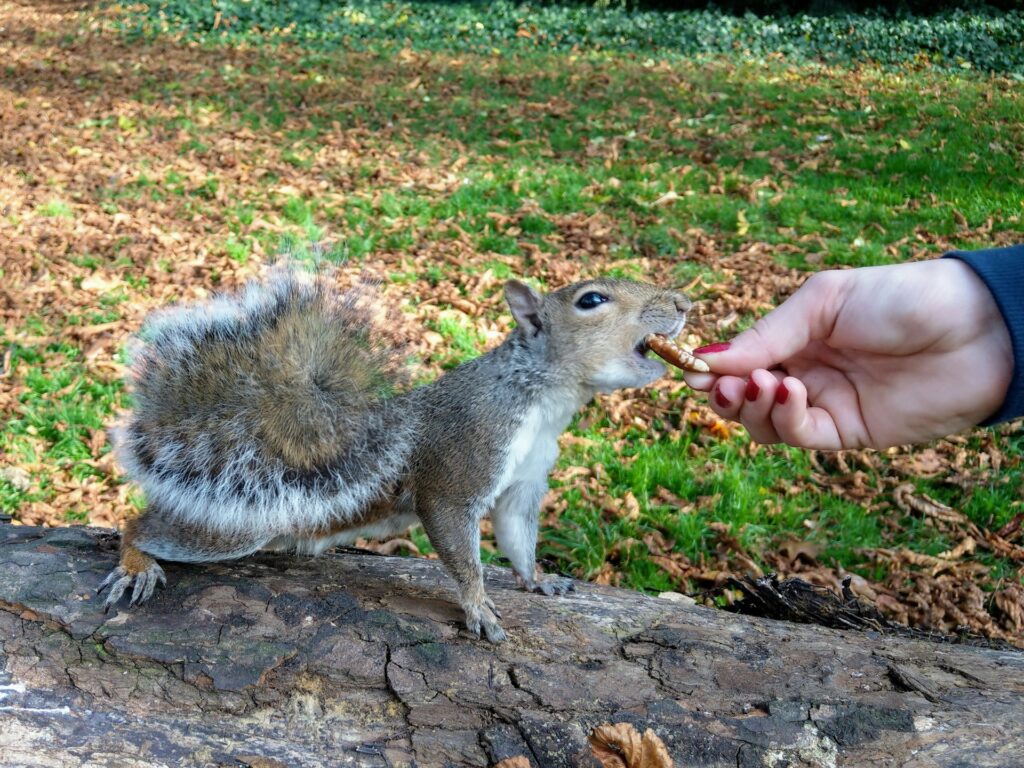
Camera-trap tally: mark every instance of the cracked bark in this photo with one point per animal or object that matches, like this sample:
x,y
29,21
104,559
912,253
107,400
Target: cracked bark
x,y
359,660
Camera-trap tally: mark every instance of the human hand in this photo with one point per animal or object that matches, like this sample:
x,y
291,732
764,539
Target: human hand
x,y
869,357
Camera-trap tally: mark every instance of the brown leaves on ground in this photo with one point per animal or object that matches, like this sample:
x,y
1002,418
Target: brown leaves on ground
x,y
622,746
950,592
67,250
947,591
519,761
618,745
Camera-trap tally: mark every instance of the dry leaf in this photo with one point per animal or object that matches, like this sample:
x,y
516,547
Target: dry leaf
x,y
519,761
100,283
965,547
631,507
17,477
622,746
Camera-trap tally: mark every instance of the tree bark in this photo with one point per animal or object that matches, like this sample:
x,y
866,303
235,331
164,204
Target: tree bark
x,y
355,659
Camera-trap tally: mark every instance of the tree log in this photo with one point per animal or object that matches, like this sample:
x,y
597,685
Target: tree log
x,y
360,659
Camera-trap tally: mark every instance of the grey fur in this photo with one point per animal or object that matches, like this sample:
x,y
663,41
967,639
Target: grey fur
x,y
193,453
222,480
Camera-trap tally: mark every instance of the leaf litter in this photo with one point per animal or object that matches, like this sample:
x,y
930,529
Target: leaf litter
x,y
80,272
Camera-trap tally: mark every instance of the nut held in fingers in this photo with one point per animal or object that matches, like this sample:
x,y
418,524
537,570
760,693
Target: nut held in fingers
x,y
667,350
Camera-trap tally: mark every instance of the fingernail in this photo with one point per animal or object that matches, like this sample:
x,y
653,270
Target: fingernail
x,y
752,390
721,399
781,394
721,346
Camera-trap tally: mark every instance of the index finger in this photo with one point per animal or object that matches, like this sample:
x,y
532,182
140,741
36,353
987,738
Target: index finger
x,y
807,315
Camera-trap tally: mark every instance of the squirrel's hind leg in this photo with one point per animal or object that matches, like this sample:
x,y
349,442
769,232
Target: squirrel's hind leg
x,y
153,534
136,569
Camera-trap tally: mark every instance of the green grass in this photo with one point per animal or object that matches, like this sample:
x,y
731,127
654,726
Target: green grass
x,y
752,496
57,209
52,424
508,143
462,340
845,167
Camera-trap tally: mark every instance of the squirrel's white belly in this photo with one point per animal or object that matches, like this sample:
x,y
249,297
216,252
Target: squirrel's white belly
x,y
534,448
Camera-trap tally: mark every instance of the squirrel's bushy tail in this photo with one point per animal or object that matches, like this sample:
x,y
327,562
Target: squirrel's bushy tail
x,y
269,404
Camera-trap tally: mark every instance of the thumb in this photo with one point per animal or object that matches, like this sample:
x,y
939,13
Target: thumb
x,y
808,315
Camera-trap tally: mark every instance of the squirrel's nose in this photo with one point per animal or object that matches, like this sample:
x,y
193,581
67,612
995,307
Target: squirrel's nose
x,y
682,303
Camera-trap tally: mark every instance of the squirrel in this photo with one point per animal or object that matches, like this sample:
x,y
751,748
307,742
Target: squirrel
x,y
270,420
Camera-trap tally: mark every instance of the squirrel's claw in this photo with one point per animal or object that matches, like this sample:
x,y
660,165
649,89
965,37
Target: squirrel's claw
x,y
490,604
547,585
118,581
143,584
494,632
113,576
554,585
483,616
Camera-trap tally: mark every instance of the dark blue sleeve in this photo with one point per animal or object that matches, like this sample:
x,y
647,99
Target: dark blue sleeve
x,y
1002,270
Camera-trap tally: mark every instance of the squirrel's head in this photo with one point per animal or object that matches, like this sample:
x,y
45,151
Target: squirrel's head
x,y
594,330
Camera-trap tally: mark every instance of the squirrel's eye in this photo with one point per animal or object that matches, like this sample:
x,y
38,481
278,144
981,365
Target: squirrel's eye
x,y
590,300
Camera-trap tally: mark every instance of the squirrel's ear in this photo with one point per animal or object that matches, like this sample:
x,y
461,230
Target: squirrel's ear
x,y
525,305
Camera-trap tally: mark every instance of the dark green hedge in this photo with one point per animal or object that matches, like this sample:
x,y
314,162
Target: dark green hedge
x,y
958,39
825,7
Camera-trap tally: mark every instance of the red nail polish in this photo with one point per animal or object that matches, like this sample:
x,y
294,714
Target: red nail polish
x,y
721,346
752,390
781,394
721,399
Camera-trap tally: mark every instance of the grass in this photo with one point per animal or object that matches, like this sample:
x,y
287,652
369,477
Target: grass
x,y
387,152
760,498
811,168
61,407
56,209
461,340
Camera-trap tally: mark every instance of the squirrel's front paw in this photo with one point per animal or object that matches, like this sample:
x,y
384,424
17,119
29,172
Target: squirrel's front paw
x,y
121,578
484,615
547,585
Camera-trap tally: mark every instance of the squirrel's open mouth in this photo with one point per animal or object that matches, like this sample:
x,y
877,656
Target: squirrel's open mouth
x,y
642,347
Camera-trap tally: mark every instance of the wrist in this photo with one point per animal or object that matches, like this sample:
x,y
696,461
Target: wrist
x,y
997,278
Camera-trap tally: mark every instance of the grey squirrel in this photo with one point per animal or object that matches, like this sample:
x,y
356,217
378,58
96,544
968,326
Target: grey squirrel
x,y
264,420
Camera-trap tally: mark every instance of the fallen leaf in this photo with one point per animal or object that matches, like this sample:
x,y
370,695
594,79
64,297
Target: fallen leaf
x,y
16,476
519,761
965,547
622,746
101,283
631,507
